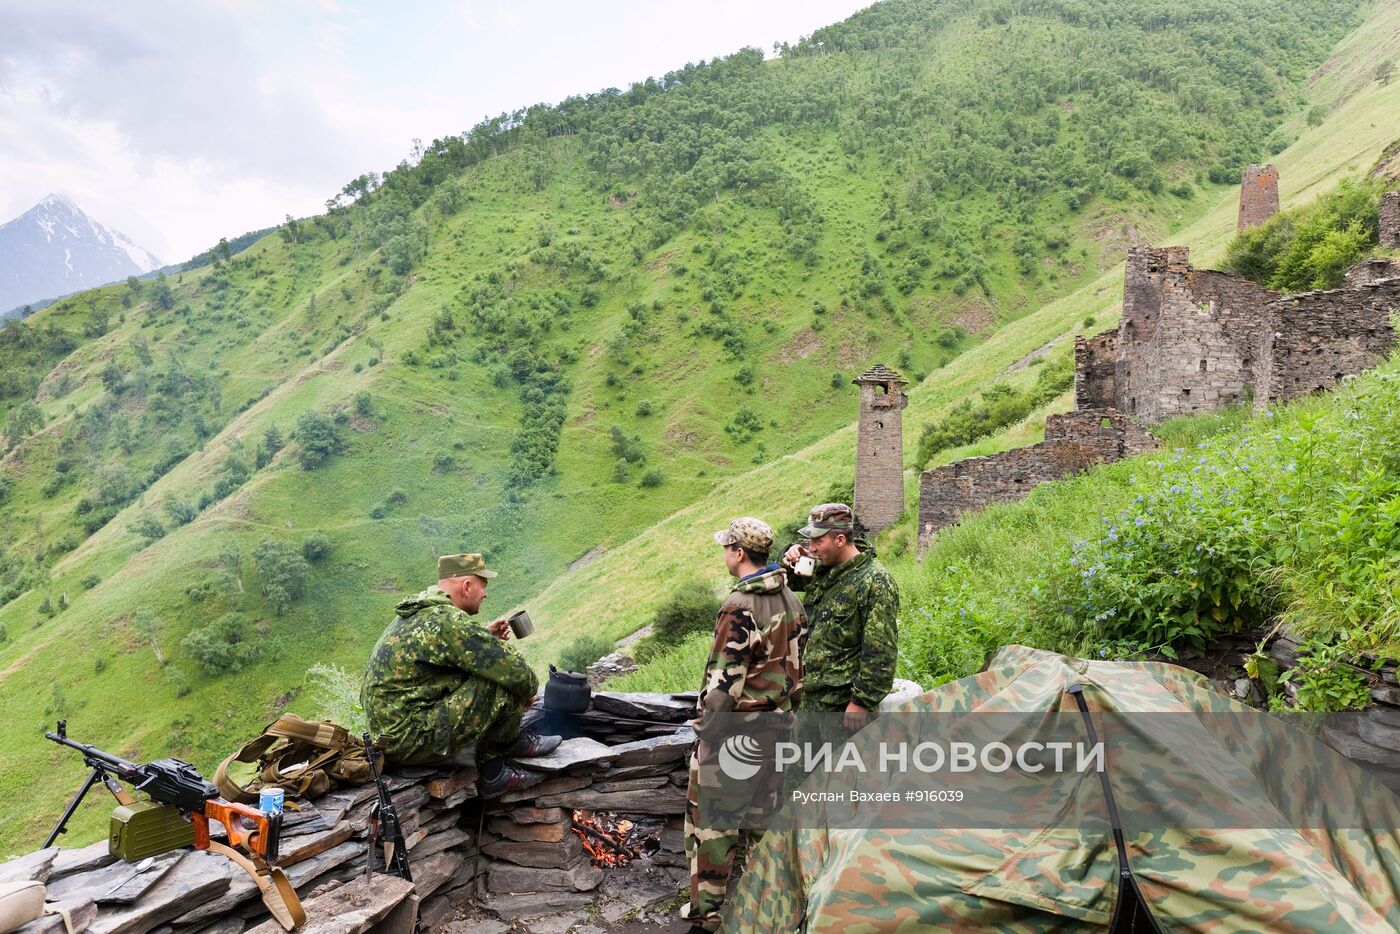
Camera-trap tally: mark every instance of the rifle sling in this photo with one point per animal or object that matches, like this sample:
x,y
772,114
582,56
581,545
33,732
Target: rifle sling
x,y
278,894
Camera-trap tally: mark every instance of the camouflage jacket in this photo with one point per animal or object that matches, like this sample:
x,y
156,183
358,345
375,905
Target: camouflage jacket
x,y
427,653
756,661
853,612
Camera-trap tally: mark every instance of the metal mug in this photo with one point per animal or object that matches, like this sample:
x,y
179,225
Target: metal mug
x,y
520,624
805,566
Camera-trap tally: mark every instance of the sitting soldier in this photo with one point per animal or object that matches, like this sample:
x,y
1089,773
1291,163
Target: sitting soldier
x,y
441,688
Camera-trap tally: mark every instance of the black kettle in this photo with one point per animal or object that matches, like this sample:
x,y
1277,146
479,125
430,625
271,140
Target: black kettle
x,y
567,692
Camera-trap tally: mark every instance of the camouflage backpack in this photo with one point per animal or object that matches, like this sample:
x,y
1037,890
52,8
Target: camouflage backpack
x,y
304,758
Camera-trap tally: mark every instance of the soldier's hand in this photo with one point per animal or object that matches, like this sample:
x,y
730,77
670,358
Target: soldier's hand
x,y
500,629
792,554
856,716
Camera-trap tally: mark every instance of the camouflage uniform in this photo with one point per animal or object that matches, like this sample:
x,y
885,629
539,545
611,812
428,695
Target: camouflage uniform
x,y
437,682
853,612
754,665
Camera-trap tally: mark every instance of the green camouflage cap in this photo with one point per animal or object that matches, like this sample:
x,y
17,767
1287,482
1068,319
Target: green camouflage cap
x,y
829,517
462,565
753,534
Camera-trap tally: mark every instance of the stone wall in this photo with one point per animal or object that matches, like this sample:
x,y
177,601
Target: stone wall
x,y
1073,442
1390,220
1258,195
1318,338
879,482
1189,338
476,865
1095,366
1371,270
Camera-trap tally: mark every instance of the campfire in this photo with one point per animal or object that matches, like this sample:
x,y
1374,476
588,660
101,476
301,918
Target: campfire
x,y
612,839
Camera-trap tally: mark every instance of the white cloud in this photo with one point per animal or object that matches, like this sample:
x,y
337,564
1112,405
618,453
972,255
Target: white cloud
x,y
178,123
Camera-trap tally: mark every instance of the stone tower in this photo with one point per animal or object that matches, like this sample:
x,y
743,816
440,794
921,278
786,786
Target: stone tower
x,y
1258,195
880,448
1390,220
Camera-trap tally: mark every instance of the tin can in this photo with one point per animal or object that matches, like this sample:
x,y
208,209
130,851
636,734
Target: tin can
x,y
270,800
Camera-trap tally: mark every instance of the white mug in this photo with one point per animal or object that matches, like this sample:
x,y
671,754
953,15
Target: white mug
x,y
805,565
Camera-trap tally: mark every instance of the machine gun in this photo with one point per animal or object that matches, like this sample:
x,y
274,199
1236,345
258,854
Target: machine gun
x,y
384,826
182,803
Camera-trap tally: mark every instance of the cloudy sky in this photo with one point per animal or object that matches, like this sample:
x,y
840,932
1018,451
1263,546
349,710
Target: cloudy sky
x,y
181,122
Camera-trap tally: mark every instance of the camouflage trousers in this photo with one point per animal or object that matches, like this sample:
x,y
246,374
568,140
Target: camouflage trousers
x,y
479,714
710,849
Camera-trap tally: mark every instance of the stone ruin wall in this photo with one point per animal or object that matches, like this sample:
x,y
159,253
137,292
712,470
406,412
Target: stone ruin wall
x,y
1095,367
1320,338
1258,196
1390,220
1189,339
1073,442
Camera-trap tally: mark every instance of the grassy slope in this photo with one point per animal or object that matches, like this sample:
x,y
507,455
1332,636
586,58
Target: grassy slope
x,y
303,361
1358,127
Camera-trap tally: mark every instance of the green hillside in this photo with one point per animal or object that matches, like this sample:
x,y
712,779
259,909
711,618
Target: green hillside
x,y
593,331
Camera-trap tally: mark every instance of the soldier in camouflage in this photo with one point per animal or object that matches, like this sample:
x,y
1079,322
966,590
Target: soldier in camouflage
x,y
442,688
852,606
754,665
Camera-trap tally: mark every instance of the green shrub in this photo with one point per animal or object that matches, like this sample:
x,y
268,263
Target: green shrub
x,y
584,651
315,547
999,407
318,438
222,647
692,607
1312,246
282,571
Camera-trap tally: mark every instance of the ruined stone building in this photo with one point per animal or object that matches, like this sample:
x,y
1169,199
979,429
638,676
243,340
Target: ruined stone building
x,y
1258,195
879,495
1074,441
1194,340
1390,220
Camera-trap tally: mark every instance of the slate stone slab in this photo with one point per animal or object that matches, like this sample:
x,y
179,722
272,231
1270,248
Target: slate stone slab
x,y
243,889
667,800
560,854
533,815
533,903
81,911
571,752
82,859
537,832
195,879
31,867
430,874
119,882
443,840
631,784
451,784
350,909
661,749
546,786
504,878
644,706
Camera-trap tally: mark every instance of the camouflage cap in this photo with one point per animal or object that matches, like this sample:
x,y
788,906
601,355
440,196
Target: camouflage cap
x,y
829,517
753,534
462,565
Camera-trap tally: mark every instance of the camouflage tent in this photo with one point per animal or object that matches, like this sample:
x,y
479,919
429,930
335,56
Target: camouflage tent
x,y
1065,874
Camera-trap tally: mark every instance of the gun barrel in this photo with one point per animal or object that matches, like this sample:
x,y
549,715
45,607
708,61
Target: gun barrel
x,y
96,756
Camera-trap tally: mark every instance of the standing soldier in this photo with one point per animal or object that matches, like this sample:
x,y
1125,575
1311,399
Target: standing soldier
x,y
441,688
754,665
853,608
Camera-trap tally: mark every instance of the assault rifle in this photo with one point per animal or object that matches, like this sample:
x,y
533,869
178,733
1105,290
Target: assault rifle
x,y
384,827
182,803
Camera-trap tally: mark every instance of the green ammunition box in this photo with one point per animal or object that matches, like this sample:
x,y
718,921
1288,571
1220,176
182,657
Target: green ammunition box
x,y
147,829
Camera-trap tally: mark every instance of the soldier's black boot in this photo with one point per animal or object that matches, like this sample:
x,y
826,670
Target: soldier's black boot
x,y
497,777
530,744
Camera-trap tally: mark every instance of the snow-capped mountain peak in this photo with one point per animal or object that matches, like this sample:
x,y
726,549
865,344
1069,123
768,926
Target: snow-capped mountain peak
x,y
54,249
